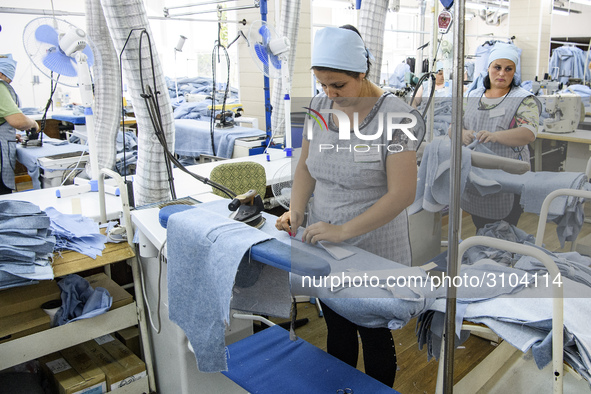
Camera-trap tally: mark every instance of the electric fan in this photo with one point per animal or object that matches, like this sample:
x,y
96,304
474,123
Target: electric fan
x,y
270,52
282,182
63,52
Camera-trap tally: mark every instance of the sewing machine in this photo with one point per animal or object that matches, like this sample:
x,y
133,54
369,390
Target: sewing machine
x,y
565,113
550,86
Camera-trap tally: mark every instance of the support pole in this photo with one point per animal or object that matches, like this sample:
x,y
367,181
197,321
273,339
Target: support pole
x,y
454,211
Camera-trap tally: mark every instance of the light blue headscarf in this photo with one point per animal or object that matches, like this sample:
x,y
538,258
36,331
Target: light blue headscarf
x,y
341,49
7,65
503,51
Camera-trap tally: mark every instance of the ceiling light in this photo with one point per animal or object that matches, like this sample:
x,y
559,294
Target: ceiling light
x,y
586,2
560,11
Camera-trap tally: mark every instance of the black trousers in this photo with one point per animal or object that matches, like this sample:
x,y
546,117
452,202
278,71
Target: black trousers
x,y
3,188
379,354
511,218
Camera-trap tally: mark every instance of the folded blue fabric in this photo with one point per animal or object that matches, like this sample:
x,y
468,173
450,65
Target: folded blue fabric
x,y
204,252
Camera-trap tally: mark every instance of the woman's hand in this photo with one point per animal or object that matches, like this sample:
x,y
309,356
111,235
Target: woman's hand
x,y
486,136
467,136
322,231
290,221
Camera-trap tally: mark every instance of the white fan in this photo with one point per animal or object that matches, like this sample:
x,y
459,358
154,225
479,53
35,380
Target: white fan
x,y
282,182
63,52
270,51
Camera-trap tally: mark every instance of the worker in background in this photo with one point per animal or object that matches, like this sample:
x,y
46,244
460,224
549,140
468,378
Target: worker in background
x,y
505,118
11,118
441,101
359,196
442,89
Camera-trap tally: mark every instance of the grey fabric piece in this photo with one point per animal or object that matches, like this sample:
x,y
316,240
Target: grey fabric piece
x,y
571,265
204,251
344,187
499,230
433,187
433,177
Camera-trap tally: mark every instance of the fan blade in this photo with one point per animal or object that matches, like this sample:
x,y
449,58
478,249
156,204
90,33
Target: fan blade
x,y
90,56
262,53
265,33
47,34
59,63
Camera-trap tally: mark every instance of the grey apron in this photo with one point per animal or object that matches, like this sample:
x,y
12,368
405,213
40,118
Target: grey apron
x,y
499,117
8,146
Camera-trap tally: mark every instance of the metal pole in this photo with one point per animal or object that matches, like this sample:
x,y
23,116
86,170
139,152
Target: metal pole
x,y
454,209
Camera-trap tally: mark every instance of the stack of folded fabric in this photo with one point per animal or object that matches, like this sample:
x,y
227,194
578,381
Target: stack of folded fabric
x,y
25,244
76,232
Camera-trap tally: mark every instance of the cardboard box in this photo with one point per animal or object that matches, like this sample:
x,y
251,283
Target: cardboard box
x,y
118,372
120,296
20,309
130,337
26,298
73,372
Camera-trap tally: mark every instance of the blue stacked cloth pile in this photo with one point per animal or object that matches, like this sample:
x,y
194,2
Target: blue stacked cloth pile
x,y
76,232
25,244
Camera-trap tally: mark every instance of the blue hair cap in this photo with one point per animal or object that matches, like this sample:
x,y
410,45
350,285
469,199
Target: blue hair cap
x,y
503,51
341,49
8,65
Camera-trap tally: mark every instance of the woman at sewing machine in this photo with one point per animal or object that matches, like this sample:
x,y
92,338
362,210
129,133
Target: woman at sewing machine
x,y
504,118
360,195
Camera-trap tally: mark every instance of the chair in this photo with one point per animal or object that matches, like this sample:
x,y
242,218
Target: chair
x,y
240,177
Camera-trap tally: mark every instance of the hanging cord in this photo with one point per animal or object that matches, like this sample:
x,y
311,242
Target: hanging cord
x,y
216,51
160,135
424,77
161,259
155,115
49,104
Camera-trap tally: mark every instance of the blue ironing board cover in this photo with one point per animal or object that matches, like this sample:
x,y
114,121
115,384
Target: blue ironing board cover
x,y
269,362
272,252
76,119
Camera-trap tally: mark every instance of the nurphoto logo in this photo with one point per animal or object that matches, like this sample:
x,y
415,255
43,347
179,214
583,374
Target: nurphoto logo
x,y
392,121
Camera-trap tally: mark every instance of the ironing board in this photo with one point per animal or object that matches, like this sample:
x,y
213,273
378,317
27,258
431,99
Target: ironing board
x,y
269,362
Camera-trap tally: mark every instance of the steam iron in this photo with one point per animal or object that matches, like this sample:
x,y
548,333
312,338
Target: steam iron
x,y
247,208
31,139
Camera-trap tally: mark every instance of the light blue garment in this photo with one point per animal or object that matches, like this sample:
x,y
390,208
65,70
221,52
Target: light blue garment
x,y
80,300
567,62
76,232
193,138
340,49
204,251
499,230
398,78
432,191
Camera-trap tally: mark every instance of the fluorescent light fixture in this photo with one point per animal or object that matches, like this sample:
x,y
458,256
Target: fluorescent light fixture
x,y
586,2
560,11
